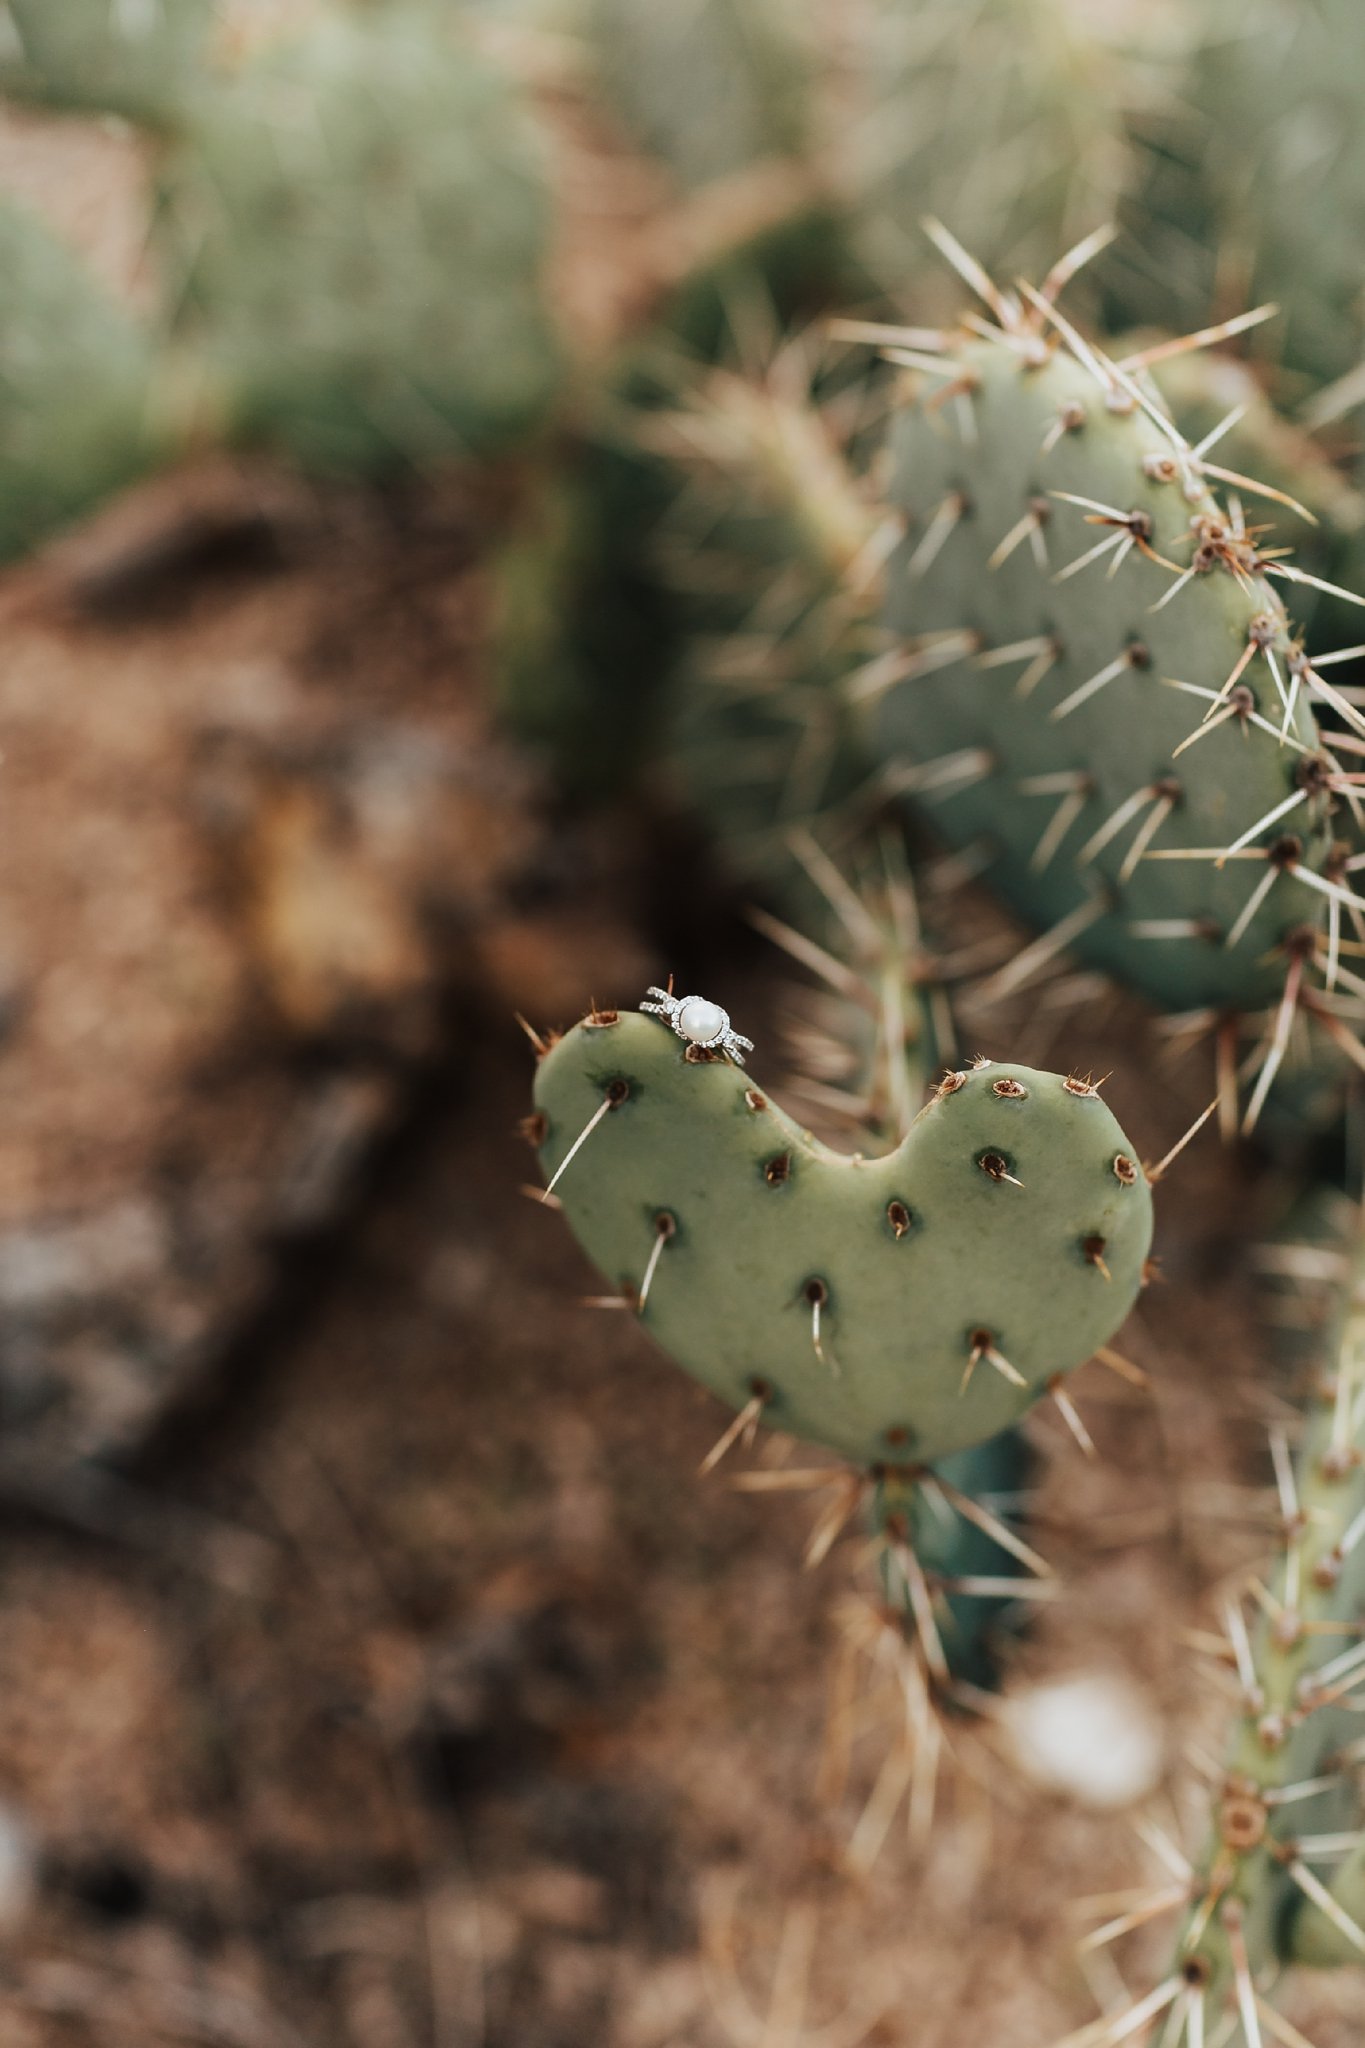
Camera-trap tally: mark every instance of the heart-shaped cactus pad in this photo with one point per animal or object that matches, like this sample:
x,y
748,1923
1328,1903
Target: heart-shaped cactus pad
x,y
1001,1244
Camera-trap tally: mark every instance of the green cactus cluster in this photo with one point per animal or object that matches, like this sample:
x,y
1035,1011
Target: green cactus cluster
x,y
711,87
770,546
1064,543
348,235
1277,1882
1252,182
77,398
352,231
144,59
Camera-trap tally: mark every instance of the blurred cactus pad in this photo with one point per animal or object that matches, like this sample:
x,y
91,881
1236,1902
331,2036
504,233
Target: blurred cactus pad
x,y
352,231
75,385
140,58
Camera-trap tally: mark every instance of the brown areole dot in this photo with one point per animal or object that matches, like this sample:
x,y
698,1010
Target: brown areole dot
x,y
1125,1169
754,1100
777,1169
1009,1089
898,1216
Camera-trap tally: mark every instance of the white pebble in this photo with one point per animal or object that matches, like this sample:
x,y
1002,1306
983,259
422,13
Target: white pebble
x,y
1095,1737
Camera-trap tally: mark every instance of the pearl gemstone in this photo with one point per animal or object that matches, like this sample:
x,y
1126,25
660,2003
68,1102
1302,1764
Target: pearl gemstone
x,y
701,1021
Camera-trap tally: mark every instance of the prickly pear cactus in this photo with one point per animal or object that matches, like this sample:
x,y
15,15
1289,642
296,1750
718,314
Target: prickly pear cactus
x,y
899,1308
710,87
140,58
1252,184
1278,1879
1101,678
75,385
1207,390
770,547
1004,116
353,230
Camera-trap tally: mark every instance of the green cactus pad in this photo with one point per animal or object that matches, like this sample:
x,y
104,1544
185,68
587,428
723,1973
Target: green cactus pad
x,y
851,1292
105,56
74,384
765,547
353,230
1048,717
1255,172
709,87
1005,116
